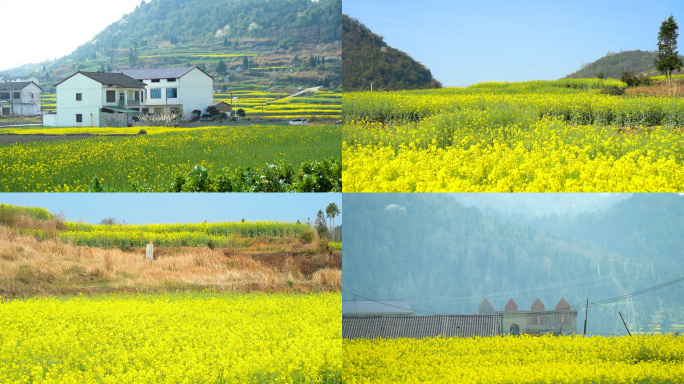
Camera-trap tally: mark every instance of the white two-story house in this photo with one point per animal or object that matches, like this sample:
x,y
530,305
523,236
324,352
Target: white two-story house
x,y
175,89
20,98
97,99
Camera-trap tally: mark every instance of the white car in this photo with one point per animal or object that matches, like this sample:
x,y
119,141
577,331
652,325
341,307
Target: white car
x,y
298,121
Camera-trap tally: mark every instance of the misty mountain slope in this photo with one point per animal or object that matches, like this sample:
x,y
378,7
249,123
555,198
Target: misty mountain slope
x,y
426,248
645,226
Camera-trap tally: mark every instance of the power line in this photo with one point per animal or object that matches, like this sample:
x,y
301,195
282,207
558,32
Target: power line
x,y
575,308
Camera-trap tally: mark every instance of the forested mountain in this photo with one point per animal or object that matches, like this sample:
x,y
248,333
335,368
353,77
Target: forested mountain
x,y
644,227
367,59
443,257
273,35
613,64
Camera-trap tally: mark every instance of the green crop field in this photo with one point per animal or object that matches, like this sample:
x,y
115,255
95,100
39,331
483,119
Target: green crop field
x,y
167,159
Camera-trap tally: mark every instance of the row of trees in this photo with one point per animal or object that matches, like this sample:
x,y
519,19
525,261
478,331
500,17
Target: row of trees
x,y
321,226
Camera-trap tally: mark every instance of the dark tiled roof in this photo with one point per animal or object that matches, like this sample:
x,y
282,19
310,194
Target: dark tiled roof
x,y
375,308
16,86
157,73
109,78
114,79
418,327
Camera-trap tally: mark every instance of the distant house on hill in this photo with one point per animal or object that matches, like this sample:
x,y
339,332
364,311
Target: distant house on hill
x,y
18,79
96,99
20,98
375,308
174,89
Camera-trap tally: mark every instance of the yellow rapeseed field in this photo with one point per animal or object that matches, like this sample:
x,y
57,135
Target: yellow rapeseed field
x,y
172,338
520,137
527,359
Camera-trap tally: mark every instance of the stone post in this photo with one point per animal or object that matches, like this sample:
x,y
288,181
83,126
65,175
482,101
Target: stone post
x,y
149,253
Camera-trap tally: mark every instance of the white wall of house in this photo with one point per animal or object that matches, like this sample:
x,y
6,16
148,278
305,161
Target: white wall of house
x,y
194,90
25,101
92,94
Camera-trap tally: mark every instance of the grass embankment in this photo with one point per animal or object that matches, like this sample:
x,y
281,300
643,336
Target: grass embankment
x,y
40,255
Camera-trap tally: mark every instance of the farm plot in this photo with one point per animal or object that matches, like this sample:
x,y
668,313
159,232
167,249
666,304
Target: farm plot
x,y
544,136
184,159
172,338
527,359
325,105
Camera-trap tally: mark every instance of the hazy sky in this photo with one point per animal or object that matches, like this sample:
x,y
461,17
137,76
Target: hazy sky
x,y
32,31
467,42
141,208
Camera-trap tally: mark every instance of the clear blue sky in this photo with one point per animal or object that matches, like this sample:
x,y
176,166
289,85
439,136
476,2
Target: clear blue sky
x,y
141,208
467,42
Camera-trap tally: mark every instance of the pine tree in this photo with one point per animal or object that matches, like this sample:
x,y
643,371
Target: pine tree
x,y
667,59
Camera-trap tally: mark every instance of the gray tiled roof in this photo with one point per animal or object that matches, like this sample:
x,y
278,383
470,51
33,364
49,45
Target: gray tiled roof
x,y
16,86
375,308
110,78
418,327
157,73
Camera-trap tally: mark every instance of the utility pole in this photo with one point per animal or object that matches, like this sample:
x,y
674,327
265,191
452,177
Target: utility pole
x,y
371,87
586,313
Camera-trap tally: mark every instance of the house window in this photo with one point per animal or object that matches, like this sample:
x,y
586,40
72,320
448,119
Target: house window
x,y
79,96
79,118
155,93
17,95
111,96
137,96
4,96
171,80
155,80
172,93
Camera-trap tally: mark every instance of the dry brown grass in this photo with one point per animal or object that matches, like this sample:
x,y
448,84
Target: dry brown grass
x,y
33,267
327,279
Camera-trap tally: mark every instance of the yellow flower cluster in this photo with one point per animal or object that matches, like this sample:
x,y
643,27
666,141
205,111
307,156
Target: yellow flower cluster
x,y
506,138
527,359
172,338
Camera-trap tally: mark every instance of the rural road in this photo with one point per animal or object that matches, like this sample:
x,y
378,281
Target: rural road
x,y
314,89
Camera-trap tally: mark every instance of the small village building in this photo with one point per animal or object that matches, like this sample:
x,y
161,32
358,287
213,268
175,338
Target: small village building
x,y
418,327
536,321
365,319
222,106
96,99
20,98
174,89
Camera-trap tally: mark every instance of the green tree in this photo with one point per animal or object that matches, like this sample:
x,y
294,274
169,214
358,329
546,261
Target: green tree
x,y
133,55
332,210
320,225
221,67
225,42
667,59
245,63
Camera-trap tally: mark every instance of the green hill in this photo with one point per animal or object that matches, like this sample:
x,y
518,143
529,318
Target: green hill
x,y
367,59
261,42
613,64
